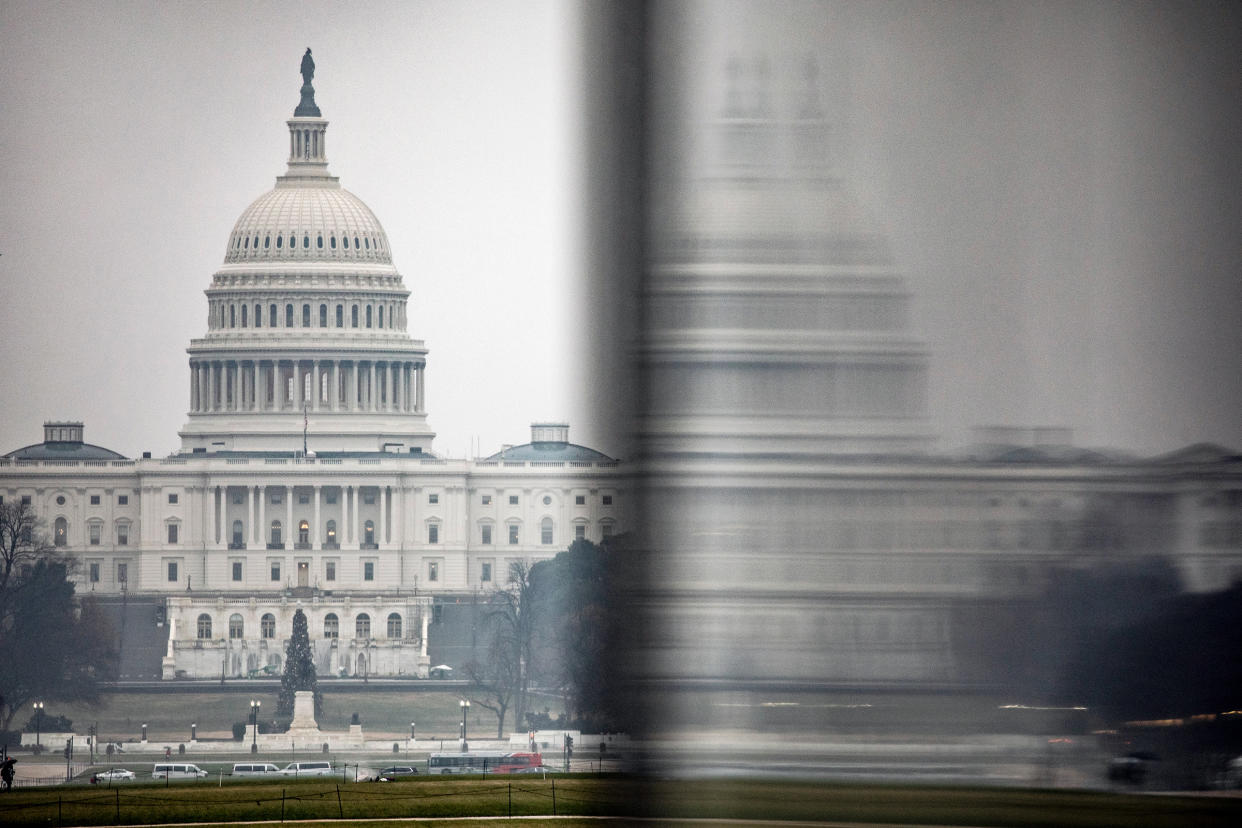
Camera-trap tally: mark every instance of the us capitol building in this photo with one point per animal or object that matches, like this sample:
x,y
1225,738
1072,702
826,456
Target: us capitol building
x,y
306,475
802,531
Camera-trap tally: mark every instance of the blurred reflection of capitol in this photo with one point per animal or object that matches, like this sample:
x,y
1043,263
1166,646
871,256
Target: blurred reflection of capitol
x,y
805,535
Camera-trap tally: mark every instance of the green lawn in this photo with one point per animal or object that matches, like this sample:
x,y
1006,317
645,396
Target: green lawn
x,y
120,715
766,801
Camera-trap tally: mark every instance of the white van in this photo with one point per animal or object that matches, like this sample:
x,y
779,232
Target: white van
x,y
254,769
307,769
177,770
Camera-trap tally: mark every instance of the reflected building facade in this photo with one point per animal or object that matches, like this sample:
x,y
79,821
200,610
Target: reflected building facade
x,y
804,535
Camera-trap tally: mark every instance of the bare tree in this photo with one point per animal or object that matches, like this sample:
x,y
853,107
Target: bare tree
x,y
22,543
52,645
503,681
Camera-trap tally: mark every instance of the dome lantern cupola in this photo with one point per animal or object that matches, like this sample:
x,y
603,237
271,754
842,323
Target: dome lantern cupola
x,y
308,157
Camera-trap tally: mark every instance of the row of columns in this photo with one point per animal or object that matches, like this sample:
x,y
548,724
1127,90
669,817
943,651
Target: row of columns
x,y
349,531
288,385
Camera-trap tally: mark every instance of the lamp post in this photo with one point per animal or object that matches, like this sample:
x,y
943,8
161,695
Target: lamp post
x,y
38,709
465,708
255,704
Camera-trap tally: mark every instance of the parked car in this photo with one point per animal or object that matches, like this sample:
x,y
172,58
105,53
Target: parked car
x,y
113,775
177,770
395,771
307,769
254,769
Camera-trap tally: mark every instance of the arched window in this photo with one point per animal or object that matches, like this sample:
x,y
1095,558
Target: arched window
x,y
306,242
288,316
271,316
345,242
279,242
246,244
237,627
237,534
319,242
340,316
394,625
368,532
353,315
331,532
356,245
258,316
232,316
60,531
243,316
380,322
545,531
362,626
304,532
332,242
267,625
331,626
368,316
306,316
204,626
323,316
276,533
267,242
293,241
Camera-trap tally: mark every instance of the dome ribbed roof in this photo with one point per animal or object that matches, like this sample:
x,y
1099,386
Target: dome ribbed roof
x,y
308,223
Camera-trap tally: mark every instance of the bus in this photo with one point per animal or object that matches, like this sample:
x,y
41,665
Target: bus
x,y
484,761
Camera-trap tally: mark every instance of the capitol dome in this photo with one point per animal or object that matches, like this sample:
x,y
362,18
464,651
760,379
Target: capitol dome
x,y
316,220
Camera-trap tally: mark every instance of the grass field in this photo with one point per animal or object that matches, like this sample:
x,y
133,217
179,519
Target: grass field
x,y
169,715
764,801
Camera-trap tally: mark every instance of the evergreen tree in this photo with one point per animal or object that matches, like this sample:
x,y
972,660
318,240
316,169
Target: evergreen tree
x,y
299,669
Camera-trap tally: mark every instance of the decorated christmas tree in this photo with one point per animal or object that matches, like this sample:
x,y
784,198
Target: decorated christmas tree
x,y
299,669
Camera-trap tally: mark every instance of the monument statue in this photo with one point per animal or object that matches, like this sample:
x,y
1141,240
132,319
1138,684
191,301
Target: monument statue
x,y
307,108
308,67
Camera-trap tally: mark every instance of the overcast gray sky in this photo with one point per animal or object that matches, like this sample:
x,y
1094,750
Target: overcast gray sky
x,y
1060,183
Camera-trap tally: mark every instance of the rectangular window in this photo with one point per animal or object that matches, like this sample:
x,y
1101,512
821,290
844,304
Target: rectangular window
x,y
172,571
513,500
369,498
239,498
172,497
303,499
172,532
278,497
25,500
487,500
579,500
605,530
94,573
579,532
368,571
433,533
122,534
95,530
486,575
607,500
94,500
122,572
275,570
122,500
237,570
487,533
433,498
329,571
433,571
513,534
330,497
